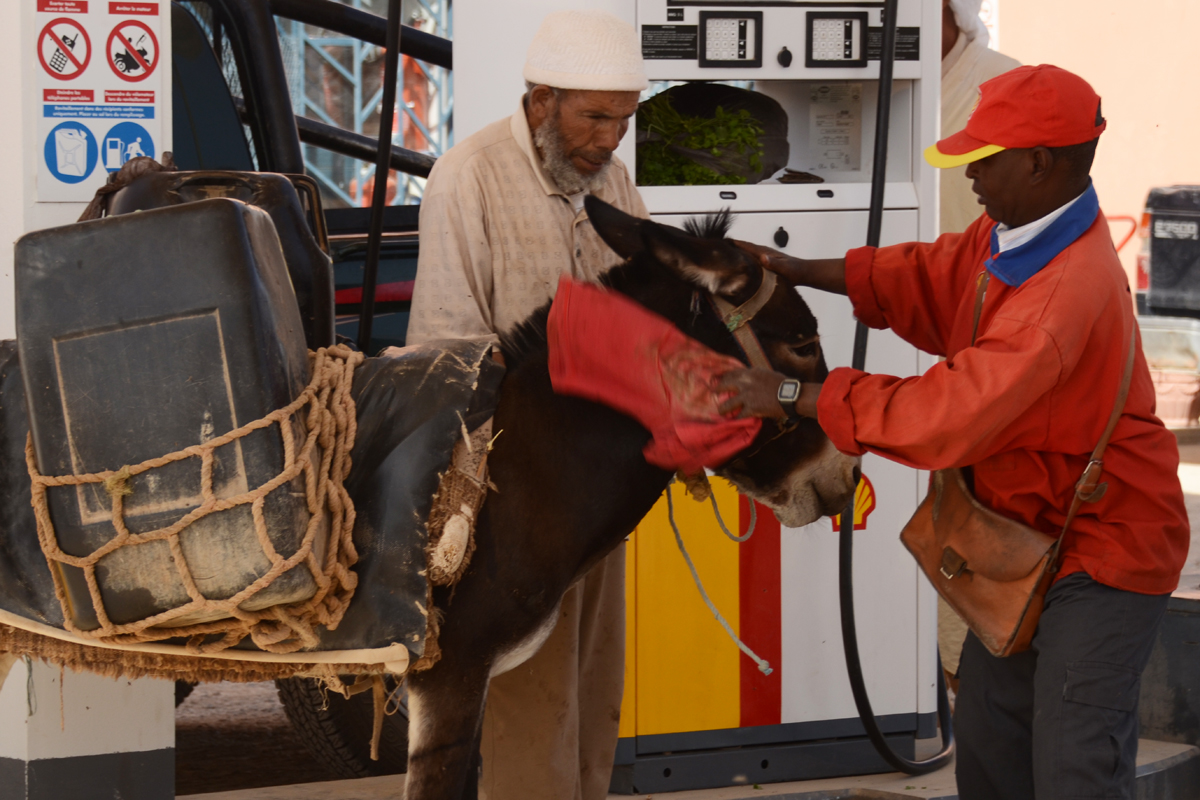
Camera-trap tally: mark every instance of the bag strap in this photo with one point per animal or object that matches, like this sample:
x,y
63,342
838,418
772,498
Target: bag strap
x,y
1088,489
981,284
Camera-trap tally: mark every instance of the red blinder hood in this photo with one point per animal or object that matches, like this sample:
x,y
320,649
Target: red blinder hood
x,y
606,348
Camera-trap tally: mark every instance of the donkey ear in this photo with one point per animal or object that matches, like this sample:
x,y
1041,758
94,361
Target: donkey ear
x,y
712,265
620,231
716,266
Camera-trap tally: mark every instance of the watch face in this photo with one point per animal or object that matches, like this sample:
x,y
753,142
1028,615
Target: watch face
x,y
789,390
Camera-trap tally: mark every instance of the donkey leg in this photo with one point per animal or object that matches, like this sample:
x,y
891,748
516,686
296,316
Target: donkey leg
x,y
471,790
445,712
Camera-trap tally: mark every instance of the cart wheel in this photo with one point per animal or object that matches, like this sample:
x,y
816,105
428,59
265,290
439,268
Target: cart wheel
x,y
337,731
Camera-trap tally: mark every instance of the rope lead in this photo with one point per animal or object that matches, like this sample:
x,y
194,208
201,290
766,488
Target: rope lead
x,y
721,522
763,666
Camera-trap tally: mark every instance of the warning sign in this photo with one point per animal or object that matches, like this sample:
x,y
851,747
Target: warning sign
x,y
63,6
132,50
68,95
128,96
71,152
150,9
64,49
124,141
101,95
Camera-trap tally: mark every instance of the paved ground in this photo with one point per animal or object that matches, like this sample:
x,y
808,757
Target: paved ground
x,y
236,736
937,786
232,737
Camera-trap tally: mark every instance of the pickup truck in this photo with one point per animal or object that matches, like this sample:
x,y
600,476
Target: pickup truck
x,y
233,111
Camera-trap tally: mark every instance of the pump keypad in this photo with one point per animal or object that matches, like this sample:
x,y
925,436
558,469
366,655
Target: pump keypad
x,y
726,40
836,39
833,39
730,38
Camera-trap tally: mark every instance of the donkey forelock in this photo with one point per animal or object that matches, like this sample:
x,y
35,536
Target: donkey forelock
x,y
711,226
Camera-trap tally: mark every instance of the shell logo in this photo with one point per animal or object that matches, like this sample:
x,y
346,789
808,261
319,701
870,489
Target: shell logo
x,y
864,504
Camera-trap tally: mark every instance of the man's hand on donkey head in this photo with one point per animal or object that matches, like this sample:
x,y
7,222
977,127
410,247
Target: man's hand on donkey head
x,y
771,259
755,393
826,274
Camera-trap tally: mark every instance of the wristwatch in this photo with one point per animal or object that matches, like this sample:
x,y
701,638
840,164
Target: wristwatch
x,y
788,394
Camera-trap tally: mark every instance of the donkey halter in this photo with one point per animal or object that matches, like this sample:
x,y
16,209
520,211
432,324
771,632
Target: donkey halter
x,y
736,320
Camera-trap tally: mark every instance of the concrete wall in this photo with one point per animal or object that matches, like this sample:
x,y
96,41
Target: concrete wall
x,y
1143,60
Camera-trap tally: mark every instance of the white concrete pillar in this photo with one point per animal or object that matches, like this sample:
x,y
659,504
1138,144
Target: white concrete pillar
x,y
77,736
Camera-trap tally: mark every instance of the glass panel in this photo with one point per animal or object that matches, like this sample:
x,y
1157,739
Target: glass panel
x,y
215,33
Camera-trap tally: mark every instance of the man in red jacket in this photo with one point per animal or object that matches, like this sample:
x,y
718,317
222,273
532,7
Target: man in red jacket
x,y
1023,405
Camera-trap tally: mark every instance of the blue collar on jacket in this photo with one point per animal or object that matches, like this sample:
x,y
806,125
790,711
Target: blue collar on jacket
x,y
1019,264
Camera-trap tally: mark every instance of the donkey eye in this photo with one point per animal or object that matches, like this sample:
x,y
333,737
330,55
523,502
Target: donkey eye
x,y
807,350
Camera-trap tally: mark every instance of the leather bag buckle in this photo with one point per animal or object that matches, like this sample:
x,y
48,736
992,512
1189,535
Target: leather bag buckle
x,y
952,565
1089,488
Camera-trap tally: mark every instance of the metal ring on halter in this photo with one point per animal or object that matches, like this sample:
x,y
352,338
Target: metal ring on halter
x,y
736,319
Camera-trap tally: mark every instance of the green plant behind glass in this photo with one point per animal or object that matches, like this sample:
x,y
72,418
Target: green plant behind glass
x,y
728,141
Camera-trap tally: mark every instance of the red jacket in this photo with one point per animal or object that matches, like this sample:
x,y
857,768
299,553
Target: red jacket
x,y
1027,404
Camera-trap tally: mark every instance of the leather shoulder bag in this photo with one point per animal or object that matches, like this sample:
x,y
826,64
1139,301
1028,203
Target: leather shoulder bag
x,y
992,570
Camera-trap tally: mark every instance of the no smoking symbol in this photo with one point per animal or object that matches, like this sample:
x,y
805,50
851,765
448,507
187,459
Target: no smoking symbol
x,y
132,51
64,49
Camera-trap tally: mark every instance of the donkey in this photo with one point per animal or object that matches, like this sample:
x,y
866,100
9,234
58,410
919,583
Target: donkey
x,y
572,481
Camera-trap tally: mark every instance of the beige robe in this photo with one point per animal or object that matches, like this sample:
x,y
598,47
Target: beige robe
x,y
969,64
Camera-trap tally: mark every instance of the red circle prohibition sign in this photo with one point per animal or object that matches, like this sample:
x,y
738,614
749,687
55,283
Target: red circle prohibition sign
x,y
64,55
133,58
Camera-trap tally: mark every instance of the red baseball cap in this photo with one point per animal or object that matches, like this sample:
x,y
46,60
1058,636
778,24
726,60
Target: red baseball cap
x,y
1041,106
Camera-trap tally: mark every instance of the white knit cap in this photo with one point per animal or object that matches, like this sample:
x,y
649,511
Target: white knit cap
x,y
586,50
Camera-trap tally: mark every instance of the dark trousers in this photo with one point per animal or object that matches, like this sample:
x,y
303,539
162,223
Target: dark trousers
x,y
1059,721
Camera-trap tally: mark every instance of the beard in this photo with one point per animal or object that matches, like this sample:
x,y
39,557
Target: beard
x,y
557,161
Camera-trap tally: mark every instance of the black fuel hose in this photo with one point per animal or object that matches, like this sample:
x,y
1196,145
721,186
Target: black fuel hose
x,y
858,686
383,158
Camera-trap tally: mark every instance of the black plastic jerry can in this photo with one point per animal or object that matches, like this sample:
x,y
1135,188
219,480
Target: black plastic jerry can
x,y
141,335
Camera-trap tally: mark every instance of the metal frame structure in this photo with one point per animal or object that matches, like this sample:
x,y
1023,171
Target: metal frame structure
x,y
264,95
346,59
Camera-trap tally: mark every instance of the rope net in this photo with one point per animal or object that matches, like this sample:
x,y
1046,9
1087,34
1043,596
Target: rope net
x,y
330,427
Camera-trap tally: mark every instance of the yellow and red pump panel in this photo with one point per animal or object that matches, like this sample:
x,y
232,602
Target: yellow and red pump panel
x,y
682,672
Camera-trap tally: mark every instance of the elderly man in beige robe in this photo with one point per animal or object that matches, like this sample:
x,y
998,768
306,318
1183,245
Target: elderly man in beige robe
x,y
966,63
502,218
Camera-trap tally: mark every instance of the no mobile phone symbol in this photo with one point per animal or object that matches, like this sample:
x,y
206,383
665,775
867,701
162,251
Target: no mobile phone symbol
x,y
64,49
